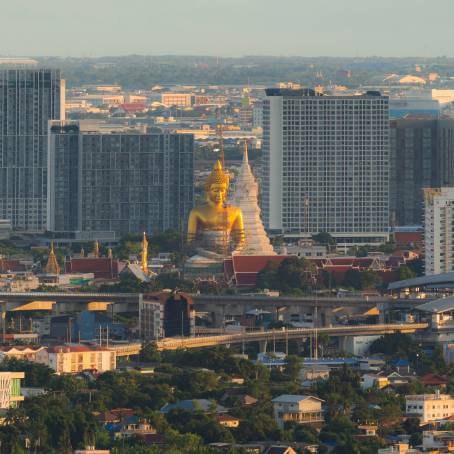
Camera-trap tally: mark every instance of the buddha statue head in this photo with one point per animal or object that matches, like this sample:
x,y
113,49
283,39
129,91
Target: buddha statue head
x,y
217,185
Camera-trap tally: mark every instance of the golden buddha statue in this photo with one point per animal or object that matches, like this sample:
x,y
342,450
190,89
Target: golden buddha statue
x,y
216,229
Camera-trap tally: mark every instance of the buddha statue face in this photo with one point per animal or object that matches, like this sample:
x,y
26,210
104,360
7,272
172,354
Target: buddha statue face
x,y
216,194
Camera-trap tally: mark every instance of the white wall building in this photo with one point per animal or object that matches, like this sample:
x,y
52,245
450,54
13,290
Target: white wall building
x,y
429,407
301,409
439,230
151,319
326,165
358,345
71,359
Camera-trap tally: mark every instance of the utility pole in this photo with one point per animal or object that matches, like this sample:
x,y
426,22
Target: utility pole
x,y
316,321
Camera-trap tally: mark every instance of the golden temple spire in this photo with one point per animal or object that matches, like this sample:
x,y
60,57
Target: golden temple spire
x,y
82,252
144,265
52,266
109,253
96,249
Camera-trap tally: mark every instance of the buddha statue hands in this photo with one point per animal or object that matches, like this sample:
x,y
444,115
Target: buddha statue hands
x,y
215,228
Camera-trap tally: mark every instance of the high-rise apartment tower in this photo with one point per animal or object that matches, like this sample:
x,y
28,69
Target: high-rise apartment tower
x,y
121,181
28,99
326,165
439,230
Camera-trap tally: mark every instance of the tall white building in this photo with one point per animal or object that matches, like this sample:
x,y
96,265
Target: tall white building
x,y
326,165
439,230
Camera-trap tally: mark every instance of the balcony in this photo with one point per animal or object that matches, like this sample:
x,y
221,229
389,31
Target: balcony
x,y
303,417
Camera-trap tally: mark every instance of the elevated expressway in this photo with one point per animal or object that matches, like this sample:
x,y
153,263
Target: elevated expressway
x,y
286,334
216,308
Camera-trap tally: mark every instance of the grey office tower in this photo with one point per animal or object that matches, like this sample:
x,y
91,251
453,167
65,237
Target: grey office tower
x,y
28,99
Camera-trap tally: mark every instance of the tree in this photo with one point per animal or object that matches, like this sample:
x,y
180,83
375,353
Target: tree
x,y
149,353
267,277
417,266
361,279
369,279
295,274
167,241
405,272
326,239
352,279
293,367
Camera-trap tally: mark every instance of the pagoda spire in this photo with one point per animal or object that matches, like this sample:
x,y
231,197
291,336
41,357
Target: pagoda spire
x,y
246,197
52,266
144,264
245,153
96,249
109,253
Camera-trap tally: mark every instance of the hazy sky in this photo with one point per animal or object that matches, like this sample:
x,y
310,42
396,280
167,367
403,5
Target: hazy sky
x,y
227,27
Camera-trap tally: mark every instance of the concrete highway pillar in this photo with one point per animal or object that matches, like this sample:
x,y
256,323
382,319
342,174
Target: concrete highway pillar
x,y
382,313
218,317
262,346
300,345
342,341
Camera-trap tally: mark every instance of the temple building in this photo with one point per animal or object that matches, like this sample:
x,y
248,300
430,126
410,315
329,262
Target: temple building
x,y
52,266
246,198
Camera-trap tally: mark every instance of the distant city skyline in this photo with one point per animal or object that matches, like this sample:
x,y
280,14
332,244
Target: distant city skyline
x,y
349,28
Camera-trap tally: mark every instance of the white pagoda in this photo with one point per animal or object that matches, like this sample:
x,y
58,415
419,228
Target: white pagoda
x,y
246,198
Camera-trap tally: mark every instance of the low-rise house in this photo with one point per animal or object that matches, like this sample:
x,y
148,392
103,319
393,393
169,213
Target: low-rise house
x,y
22,352
434,380
399,448
134,426
371,364
301,409
367,430
204,405
74,358
114,416
237,380
402,366
313,373
395,379
92,450
32,392
237,396
429,407
441,440
280,450
228,421
370,380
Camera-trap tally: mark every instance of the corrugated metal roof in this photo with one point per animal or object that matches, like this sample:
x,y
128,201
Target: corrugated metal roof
x,y
294,398
438,306
443,278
